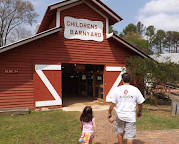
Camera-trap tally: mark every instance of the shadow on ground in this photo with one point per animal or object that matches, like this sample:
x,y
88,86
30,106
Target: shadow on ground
x,y
136,141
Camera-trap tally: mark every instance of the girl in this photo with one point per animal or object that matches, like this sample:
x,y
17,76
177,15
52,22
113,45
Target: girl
x,y
88,126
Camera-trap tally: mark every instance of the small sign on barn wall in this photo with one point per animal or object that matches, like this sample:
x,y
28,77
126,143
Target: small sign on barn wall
x,y
83,29
11,71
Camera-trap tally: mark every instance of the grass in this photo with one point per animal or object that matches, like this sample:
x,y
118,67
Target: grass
x,y
51,127
157,120
58,127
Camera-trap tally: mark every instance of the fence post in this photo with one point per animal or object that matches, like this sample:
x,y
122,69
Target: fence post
x,y
175,107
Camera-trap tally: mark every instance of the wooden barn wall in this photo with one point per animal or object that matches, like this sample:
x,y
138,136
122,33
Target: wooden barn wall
x,y
83,11
53,22
16,89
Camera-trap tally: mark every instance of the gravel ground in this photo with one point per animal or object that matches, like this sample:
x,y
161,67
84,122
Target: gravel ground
x,y
106,133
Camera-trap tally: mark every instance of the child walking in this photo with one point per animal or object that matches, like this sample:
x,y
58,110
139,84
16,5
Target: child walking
x,y
88,126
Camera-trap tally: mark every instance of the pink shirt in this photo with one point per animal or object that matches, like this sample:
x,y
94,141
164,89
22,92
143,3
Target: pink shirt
x,y
88,126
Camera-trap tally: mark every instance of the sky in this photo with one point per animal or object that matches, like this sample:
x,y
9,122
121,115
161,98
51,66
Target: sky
x,y
163,14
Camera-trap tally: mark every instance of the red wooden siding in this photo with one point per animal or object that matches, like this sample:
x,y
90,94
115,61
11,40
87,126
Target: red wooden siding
x,y
50,50
52,22
16,90
49,21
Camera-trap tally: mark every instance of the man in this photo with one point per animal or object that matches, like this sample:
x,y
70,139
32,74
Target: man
x,y
125,98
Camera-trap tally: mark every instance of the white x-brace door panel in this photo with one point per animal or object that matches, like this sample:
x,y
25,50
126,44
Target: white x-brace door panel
x,y
39,69
118,80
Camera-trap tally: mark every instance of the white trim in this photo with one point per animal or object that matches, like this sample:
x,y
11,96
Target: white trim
x,y
63,3
95,9
106,10
47,103
107,26
113,68
118,80
58,100
47,67
24,41
58,18
109,35
69,6
54,6
129,46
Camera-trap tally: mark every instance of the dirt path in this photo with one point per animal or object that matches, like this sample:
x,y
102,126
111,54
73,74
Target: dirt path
x,y
106,133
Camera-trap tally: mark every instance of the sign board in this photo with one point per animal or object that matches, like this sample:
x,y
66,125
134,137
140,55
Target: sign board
x,y
11,71
83,29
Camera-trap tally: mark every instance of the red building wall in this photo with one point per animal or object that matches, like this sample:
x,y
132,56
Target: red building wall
x,y
16,90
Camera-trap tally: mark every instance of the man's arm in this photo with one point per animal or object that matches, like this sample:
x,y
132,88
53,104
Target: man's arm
x,y
139,113
111,109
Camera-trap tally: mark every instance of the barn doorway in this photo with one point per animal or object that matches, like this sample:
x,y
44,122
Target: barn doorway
x,y
81,82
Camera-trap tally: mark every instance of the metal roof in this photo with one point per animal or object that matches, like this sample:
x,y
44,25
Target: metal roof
x,y
174,57
30,39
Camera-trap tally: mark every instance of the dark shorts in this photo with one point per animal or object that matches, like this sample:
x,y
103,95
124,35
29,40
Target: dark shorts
x,y
126,129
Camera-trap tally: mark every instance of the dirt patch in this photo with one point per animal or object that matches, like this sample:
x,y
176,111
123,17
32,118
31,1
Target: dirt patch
x,y
96,105
106,131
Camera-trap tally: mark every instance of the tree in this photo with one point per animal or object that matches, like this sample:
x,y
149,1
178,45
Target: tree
x,y
159,40
111,30
151,71
140,28
129,29
136,40
150,33
168,41
133,34
175,41
150,40
12,14
19,33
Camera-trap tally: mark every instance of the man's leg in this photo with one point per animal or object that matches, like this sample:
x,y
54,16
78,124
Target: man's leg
x,y
129,141
130,132
120,139
119,126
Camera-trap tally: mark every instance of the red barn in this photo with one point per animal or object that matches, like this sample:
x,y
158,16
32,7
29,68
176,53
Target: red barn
x,y
72,56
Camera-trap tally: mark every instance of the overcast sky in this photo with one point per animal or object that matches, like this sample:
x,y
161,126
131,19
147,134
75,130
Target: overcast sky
x,y
163,14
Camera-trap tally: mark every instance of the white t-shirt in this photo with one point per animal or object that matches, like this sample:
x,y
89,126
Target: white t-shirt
x,y
126,97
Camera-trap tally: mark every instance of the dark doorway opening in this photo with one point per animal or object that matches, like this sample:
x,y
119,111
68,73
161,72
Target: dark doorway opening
x,y
81,82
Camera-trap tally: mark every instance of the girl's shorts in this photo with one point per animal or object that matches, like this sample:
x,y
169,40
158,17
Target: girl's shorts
x,y
86,137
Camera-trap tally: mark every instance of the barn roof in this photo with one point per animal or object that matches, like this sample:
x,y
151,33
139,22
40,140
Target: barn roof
x,y
97,5
53,9
30,39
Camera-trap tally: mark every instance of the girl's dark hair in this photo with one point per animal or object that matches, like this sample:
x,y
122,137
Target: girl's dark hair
x,y
87,114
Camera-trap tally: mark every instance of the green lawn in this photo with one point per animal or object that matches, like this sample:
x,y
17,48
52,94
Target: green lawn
x,y
155,120
57,127
51,127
